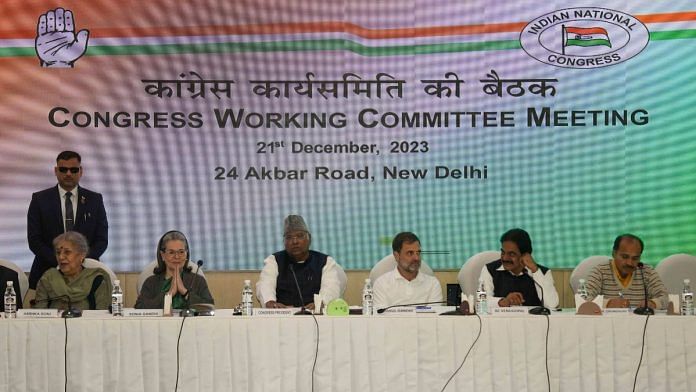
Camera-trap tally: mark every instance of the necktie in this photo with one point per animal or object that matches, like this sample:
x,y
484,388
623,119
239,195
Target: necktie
x,y
69,216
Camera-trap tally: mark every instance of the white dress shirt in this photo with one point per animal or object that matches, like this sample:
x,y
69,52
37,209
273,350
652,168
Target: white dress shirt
x,y
393,289
73,199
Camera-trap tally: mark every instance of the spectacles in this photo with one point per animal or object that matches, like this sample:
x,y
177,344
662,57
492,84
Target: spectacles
x,y
299,237
73,170
173,253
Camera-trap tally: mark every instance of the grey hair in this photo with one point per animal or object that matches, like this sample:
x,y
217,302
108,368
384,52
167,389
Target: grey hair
x,y
75,238
173,235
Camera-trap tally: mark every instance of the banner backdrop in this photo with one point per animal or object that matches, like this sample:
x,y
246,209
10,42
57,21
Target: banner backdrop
x,y
456,120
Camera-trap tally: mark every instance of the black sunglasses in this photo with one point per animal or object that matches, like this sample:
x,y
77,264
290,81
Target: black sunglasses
x,y
73,170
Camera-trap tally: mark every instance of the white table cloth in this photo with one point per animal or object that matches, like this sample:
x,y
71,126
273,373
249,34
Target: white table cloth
x,y
399,353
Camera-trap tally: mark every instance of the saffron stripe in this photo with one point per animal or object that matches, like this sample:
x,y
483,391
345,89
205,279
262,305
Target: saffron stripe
x,y
286,28
668,17
588,30
318,27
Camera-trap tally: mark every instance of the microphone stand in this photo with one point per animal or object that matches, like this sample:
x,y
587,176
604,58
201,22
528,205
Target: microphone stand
x,y
303,310
71,312
464,309
645,309
539,310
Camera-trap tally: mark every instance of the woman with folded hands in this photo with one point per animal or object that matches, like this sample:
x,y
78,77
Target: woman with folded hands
x,y
173,276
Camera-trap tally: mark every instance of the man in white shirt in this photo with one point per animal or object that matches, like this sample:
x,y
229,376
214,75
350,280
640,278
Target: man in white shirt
x,y
404,284
510,281
296,265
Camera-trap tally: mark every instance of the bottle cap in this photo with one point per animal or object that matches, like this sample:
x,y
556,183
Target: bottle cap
x,y
247,281
368,280
687,281
10,283
581,281
117,282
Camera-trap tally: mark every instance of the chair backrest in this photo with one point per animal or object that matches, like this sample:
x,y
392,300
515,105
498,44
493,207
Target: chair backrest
x,y
470,272
342,279
388,263
22,277
149,270
583,269
92,263
674,269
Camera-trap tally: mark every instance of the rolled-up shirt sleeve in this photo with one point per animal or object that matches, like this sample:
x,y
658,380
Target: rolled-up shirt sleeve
x,y
545,280
266,286
330,283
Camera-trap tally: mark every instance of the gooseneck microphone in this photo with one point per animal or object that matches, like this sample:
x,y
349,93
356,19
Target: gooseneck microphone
x,y
70,312
382,310
189,311
539,310
645,309
302,310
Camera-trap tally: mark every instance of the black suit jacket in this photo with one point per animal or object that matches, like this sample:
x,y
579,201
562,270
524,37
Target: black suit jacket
x,y
45,222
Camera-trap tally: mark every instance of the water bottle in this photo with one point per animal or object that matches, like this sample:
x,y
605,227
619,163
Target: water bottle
x,y
368,307
481,299
247,299
687,299
117,299
582,290
10,301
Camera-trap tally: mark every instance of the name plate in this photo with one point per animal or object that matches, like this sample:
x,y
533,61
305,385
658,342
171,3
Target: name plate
x,y
130,312
37,313
264,312
401,310
616,311
510,311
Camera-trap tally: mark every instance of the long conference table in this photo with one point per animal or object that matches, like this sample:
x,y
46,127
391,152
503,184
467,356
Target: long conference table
x,y
395,352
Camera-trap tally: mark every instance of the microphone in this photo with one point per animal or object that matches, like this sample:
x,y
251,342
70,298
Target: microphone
x,y
70,312
302,310
189,311
539,310
380,311
645,309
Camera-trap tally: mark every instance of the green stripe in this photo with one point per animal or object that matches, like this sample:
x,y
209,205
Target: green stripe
x,y
317,45
303,46
17,52
283,46
591,42
676,34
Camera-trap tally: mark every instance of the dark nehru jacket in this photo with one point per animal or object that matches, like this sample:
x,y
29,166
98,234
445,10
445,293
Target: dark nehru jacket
x,y
506,283
308,277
